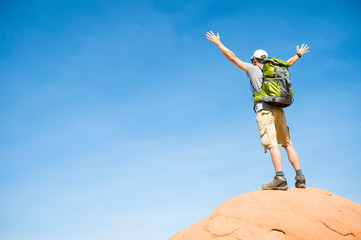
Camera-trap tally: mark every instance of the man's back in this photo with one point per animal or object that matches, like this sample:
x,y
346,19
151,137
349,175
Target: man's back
x,y
255,75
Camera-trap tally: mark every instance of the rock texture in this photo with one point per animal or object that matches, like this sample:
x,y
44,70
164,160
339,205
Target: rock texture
x,y
296,214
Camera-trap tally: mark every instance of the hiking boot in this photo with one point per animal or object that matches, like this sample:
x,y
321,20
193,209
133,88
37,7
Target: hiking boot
x,y
279,183
300,182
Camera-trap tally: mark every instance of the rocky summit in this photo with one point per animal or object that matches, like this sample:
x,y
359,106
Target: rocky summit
x,y
296,214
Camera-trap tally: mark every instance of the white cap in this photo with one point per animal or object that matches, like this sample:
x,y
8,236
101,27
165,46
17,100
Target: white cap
x,y
259,53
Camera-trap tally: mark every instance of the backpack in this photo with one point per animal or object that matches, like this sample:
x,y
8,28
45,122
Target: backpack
x,y
276,84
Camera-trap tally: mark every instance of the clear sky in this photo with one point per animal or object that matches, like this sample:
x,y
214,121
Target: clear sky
x,y
120,120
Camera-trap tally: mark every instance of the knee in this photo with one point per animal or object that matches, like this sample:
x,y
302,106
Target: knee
x,y
288,147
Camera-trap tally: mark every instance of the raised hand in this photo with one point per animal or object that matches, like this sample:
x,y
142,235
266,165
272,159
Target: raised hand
x,y
213,38
303,50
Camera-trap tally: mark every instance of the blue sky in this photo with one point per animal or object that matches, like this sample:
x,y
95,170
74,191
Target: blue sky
x,y
121,121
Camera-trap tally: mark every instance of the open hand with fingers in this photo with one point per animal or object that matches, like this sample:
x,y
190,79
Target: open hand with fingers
x,y
213,38
303,50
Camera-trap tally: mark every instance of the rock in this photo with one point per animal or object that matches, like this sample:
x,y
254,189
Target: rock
x,y
296,214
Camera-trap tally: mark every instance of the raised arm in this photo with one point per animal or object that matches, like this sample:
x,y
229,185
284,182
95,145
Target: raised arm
x,y
302,51
226,52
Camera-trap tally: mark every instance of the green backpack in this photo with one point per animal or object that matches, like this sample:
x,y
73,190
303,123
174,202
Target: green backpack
x,y
276,85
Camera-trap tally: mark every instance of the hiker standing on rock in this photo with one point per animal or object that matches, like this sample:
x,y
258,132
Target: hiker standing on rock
x,y
271,119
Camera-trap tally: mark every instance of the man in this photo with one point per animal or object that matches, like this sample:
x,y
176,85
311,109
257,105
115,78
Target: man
x,y
270,119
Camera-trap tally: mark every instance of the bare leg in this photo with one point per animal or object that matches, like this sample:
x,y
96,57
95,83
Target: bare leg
x,y
279,182
293,157
276,158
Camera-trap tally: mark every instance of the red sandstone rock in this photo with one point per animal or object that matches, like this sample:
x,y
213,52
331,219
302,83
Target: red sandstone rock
x,y
296,214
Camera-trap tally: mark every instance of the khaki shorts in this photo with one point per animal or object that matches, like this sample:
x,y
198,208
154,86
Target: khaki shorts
x,y
273,128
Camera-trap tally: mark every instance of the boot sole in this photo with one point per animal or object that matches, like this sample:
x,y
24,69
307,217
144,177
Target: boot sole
x,y
276,188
